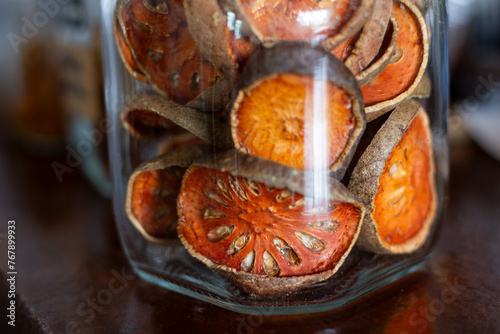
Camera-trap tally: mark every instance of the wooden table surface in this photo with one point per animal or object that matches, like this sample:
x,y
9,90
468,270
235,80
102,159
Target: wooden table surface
x,y
69,259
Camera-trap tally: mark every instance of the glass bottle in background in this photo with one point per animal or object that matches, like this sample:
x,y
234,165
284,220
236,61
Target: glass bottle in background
x,y
79,58
10,69
38,120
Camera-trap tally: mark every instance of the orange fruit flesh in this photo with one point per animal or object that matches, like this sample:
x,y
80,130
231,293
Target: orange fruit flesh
x,y
166,52
154,198
405,197
344,49
274,118
208,202
398,77
304,20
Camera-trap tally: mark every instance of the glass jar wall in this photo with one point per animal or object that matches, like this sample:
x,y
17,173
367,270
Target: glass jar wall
x,y
288,156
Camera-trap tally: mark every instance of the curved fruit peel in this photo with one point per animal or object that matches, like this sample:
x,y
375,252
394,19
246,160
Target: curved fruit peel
x,y
368,45
202,125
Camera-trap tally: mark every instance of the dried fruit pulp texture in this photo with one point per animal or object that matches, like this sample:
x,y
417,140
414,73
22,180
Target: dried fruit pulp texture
x,y
400,75
405,197
298,20
248,227
166,52
154,201
275,120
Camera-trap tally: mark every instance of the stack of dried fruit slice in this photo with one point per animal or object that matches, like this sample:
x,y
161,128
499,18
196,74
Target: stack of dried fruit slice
x,y
289,94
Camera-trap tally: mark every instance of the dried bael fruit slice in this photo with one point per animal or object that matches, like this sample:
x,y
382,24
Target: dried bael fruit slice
x,y
153,189
266,237
400,193
274,113
371,38
400,78
220,38
305,20
148,116
156,33
385,56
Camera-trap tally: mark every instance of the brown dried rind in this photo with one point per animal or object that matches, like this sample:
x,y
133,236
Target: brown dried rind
x,y
364,182
424,88
207,23
178,158
300,59
374,69
368,45
202,125
380,108
213,99
280,177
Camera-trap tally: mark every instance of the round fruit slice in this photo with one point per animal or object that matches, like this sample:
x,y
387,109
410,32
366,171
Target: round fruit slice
x,y
162,48
402,76
266,237
219,36
304,20
400,193
370,41
149,116
153,189
276,116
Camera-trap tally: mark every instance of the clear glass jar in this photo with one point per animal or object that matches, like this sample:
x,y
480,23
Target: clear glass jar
x,y
282,157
